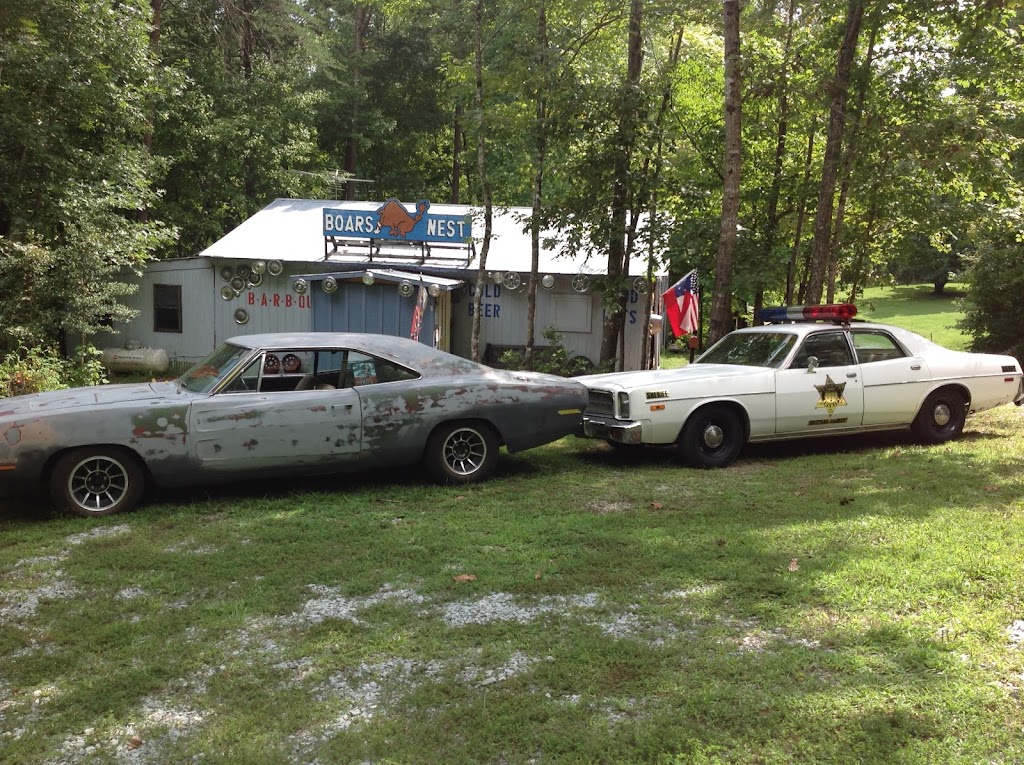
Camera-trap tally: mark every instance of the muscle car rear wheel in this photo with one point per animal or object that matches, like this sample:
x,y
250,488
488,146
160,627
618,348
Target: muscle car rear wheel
x,y
711,438
461,452
96,481
941,417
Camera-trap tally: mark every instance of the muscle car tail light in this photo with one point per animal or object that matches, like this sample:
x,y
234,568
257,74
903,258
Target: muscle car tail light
x,y
623,405
828,312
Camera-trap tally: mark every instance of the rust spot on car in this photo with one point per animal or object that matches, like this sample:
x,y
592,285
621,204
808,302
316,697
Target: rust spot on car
x,y
166,423
251,414
13,435
320,408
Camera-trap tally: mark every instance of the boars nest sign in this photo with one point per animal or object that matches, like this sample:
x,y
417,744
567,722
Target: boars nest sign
x,y
393,220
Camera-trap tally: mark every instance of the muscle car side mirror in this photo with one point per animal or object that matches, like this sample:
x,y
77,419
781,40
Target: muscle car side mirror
x,y
812,364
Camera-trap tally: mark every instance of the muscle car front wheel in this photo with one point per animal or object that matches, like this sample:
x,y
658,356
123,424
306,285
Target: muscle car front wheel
x,y
941,417
461,452
711,438
96,481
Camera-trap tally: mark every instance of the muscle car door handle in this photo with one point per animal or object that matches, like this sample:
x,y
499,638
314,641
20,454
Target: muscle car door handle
x,y
915,367
851,374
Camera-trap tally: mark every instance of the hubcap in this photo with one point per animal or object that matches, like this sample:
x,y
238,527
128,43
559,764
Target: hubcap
x,y
713,436
942,415
464,452
98,483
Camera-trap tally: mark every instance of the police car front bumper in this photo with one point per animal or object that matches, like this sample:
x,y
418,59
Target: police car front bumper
x,y
609,429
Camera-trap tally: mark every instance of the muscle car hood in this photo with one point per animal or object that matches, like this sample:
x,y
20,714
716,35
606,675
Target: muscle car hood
x,y
35,404
661,377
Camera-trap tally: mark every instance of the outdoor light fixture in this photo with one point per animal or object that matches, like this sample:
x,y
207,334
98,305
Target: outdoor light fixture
x,y
259,266
547,281
301,286
275,268
433,290
329,285
368,278
405,288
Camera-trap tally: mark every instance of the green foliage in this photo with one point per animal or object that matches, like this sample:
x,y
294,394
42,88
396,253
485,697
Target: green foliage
x,y
76,172
994,318
39,369
551,357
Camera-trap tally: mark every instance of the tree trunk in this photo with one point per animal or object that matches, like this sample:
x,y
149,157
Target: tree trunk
x,y
721,301
858,268
801,213
538,180
625,141
481,163
833,146
456,154
849,156
352,150
780,154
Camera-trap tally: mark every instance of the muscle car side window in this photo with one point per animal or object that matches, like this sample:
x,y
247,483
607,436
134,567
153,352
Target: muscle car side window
x,y
362,369
876,346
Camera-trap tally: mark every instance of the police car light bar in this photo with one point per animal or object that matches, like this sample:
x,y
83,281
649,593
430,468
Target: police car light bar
x,y
829,312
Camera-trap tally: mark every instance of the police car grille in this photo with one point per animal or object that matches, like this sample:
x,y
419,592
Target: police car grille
x,y
602,403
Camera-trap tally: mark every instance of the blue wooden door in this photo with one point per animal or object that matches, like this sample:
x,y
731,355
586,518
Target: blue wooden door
x,y
377,309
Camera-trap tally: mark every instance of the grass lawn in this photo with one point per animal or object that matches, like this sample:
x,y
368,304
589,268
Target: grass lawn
x,y
854,601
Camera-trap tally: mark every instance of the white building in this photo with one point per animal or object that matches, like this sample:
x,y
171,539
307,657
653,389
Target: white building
x,y
246,283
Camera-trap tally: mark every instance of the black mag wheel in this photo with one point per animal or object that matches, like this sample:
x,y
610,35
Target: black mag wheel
x,y
941,418
711,438
461,452
95,481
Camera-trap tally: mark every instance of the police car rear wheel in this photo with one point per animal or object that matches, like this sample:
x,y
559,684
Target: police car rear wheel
x,y
941,418
711,438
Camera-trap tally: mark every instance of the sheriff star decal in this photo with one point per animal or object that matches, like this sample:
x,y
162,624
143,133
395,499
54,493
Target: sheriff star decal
x,y
831,395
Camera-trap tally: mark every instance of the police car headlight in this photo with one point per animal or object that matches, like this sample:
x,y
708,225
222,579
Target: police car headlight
x,y
623,406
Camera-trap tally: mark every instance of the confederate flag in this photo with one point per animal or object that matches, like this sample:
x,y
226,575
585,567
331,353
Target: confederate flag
x,y
681,303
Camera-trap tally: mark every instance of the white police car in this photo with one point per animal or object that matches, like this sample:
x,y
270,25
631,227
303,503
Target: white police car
x,y
815,374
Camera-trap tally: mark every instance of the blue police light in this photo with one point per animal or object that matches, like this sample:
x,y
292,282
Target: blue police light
x,y
829,312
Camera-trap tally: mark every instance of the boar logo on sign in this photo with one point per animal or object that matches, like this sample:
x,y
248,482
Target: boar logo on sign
x,y
397,220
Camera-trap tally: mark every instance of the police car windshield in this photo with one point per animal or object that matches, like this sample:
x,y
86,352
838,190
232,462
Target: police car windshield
x,y
751,349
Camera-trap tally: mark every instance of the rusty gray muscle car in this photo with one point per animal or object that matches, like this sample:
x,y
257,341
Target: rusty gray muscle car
x,y
280,405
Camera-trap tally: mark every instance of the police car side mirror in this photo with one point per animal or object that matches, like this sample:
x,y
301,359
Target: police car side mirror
x,y
812,364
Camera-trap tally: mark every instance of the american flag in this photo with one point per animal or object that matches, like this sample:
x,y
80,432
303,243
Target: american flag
x,y
681,303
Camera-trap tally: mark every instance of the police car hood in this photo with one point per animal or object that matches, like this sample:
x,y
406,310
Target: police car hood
x,y
669,377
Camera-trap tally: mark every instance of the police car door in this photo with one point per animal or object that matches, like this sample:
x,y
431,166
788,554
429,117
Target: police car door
x,y
822,390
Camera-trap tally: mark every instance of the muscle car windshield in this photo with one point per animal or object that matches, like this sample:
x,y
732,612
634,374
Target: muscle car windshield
x,y
761,349
207,373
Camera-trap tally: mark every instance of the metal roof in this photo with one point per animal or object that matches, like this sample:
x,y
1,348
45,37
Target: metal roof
x,y
291,230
